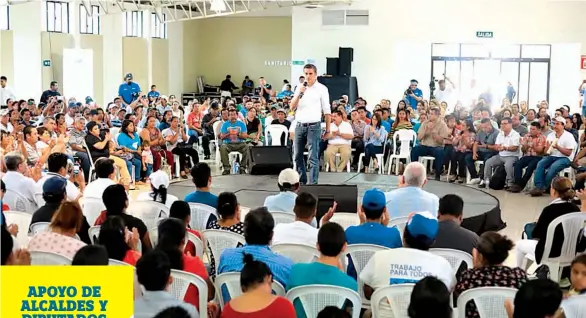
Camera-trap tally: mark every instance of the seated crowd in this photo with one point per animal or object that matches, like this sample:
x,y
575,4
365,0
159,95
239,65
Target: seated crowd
x,y
40,163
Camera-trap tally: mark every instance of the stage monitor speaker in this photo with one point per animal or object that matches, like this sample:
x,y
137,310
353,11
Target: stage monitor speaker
x,y
346,56
270,159
345,195
332,66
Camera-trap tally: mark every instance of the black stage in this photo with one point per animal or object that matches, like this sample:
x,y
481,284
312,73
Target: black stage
x,y
481,210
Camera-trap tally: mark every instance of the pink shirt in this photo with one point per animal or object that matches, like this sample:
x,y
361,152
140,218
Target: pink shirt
x,y
47,241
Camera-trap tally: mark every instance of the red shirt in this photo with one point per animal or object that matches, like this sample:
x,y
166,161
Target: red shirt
x,y
193,265
189,246
279,308
131,257
195,119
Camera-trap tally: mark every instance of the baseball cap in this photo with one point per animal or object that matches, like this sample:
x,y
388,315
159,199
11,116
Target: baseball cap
x,y
164,97
72,104
88,99
374,199
423,225
560,119
158,179
288,176
93,112
54,186
128,76
112,105
4,112
282,111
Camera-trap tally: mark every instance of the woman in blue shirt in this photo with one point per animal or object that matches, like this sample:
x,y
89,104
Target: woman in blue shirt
x,y
129,140
166,123
374,137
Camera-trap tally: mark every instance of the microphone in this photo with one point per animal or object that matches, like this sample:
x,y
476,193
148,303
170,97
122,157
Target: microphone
x,y
301,94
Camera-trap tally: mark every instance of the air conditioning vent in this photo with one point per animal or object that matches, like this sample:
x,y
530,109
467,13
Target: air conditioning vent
x,y
344,17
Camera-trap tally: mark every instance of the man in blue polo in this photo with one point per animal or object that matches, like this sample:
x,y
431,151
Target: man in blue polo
x,y
413,94
129,90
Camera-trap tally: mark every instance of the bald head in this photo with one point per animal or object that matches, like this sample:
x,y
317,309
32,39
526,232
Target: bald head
x,y
414,175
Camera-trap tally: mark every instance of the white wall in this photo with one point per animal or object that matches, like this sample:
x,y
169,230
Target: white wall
x,y
396,45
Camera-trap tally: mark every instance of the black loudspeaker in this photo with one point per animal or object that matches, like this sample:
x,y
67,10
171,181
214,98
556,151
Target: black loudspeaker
x,y
270,159
346,55
345,195
332,66
340,85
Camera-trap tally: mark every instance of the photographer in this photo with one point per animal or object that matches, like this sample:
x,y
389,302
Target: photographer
x,y
413,94
129,90
52,91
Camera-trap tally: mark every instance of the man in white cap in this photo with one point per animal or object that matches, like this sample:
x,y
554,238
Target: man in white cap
x,y
284,201
561,146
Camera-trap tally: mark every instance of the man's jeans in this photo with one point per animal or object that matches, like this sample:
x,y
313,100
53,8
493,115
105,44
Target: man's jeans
x,y
436,152
307,134
85,163
470,162
553,165
529,162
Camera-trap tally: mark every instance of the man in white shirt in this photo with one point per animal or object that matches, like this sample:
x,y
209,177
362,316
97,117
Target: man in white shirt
x,y
446,94
339,140
106,173
58,165
5,124
410,263
301,231
410,197
5,91
16,180
310,102
561,147
507,143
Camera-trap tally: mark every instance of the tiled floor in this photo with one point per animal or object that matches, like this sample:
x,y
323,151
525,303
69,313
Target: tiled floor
x,y
517,209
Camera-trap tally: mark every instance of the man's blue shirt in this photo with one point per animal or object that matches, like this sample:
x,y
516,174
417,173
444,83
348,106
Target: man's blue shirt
x,y
126,90
411,100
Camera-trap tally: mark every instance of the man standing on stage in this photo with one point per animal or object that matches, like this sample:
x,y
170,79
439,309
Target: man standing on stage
x,y
309,102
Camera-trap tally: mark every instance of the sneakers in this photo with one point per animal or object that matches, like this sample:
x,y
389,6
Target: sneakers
x,y
483,184
474,181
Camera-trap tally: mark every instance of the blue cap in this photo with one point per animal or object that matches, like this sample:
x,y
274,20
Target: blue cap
x,y
423,224
72,104
128,76
88,99
374,199
54,186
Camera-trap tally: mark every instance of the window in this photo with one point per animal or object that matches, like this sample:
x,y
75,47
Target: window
x,y
158,27
4,18
344,17
133,23
89,24
57,16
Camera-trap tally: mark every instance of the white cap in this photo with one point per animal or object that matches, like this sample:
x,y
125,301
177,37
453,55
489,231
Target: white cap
x,y
289,176
158,179
4,112
164,97
560,119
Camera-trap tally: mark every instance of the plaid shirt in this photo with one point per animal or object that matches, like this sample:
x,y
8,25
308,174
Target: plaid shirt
x,y
464,138
358,128
533,142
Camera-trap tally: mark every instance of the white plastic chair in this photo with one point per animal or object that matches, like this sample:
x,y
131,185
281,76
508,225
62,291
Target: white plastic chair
x,y
405,137
199,249
92,207
115,262
338,157
345,219
427,161
283,217
454,257
489,301
48,258
231,281
181,282
360,254
219,240
92,166
150,212
39,227
39,199
94,233
314,298
574,306
298,253
569,171
18,202
399,222
275,132
572,224
216,142
200,213
23,220
393,298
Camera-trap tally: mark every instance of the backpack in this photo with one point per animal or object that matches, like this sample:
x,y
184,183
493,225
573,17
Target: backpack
x,y
498,178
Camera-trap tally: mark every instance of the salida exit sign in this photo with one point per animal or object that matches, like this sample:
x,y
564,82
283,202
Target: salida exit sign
x,y
484,34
